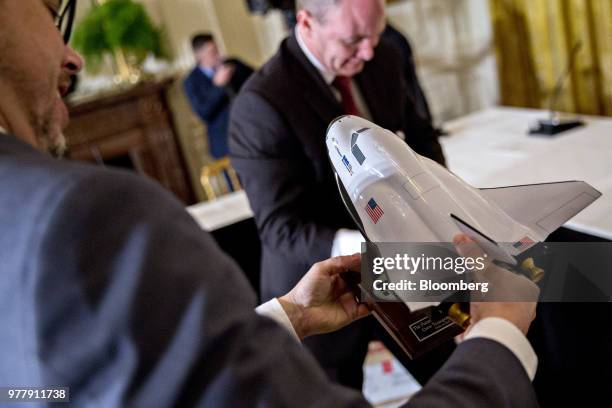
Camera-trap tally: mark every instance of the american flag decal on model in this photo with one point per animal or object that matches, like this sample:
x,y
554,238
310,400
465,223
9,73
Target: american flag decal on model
x,y
374,210
523,243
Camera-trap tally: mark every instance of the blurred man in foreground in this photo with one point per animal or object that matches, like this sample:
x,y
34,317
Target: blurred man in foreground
x,y
110,288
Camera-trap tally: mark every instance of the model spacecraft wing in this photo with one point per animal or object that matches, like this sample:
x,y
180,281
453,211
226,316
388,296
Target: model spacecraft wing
x,y
397,195
543,207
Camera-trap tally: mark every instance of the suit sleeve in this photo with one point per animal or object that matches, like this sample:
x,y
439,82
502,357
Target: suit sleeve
x,y
480,373
206,103
279,181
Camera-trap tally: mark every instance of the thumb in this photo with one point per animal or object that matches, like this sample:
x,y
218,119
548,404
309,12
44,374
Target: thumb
x,y
342,264
466,246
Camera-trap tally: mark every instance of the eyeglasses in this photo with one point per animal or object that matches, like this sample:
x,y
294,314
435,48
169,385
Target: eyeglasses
x,y
65,19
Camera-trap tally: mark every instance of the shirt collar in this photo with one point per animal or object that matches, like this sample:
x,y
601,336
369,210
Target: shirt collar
x,y
3,130
209,72
327,76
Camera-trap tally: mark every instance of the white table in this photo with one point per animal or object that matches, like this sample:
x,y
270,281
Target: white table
x,y
226,210
491,148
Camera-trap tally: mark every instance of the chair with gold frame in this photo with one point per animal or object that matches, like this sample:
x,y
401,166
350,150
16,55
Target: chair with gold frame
x,y
219,178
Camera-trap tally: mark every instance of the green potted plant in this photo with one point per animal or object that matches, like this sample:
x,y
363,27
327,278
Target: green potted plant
x,y
122,29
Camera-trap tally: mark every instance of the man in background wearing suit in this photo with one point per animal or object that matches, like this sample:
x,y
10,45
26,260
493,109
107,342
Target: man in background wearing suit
x,y
211,86
333,64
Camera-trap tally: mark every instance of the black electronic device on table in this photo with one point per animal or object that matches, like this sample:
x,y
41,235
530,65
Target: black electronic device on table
x,y
554,124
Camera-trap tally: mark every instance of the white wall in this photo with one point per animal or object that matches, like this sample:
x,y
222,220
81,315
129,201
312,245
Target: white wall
x,y
182,19
453,45
253,38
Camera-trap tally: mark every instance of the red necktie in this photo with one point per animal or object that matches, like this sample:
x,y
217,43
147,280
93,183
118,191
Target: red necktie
x,y
343,85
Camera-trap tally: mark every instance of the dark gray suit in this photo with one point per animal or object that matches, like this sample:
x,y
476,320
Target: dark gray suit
x,y
109,287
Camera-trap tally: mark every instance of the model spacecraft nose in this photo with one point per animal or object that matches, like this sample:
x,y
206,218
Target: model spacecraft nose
x,y
396,195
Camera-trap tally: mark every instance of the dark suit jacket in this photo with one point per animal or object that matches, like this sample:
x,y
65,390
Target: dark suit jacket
x,y
110,288
277,144
212,103
413,86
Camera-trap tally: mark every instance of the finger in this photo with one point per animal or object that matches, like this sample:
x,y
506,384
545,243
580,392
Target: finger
x,y
352,307
508,286
334,266
362,311
340,286
468,248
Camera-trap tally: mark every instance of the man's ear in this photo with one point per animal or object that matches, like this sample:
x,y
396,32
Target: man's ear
x,y
304,21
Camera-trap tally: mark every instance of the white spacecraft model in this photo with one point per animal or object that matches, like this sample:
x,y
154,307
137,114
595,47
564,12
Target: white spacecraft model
x,y
396,195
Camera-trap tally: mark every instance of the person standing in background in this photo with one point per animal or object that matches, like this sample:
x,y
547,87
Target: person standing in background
x,y
210,88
